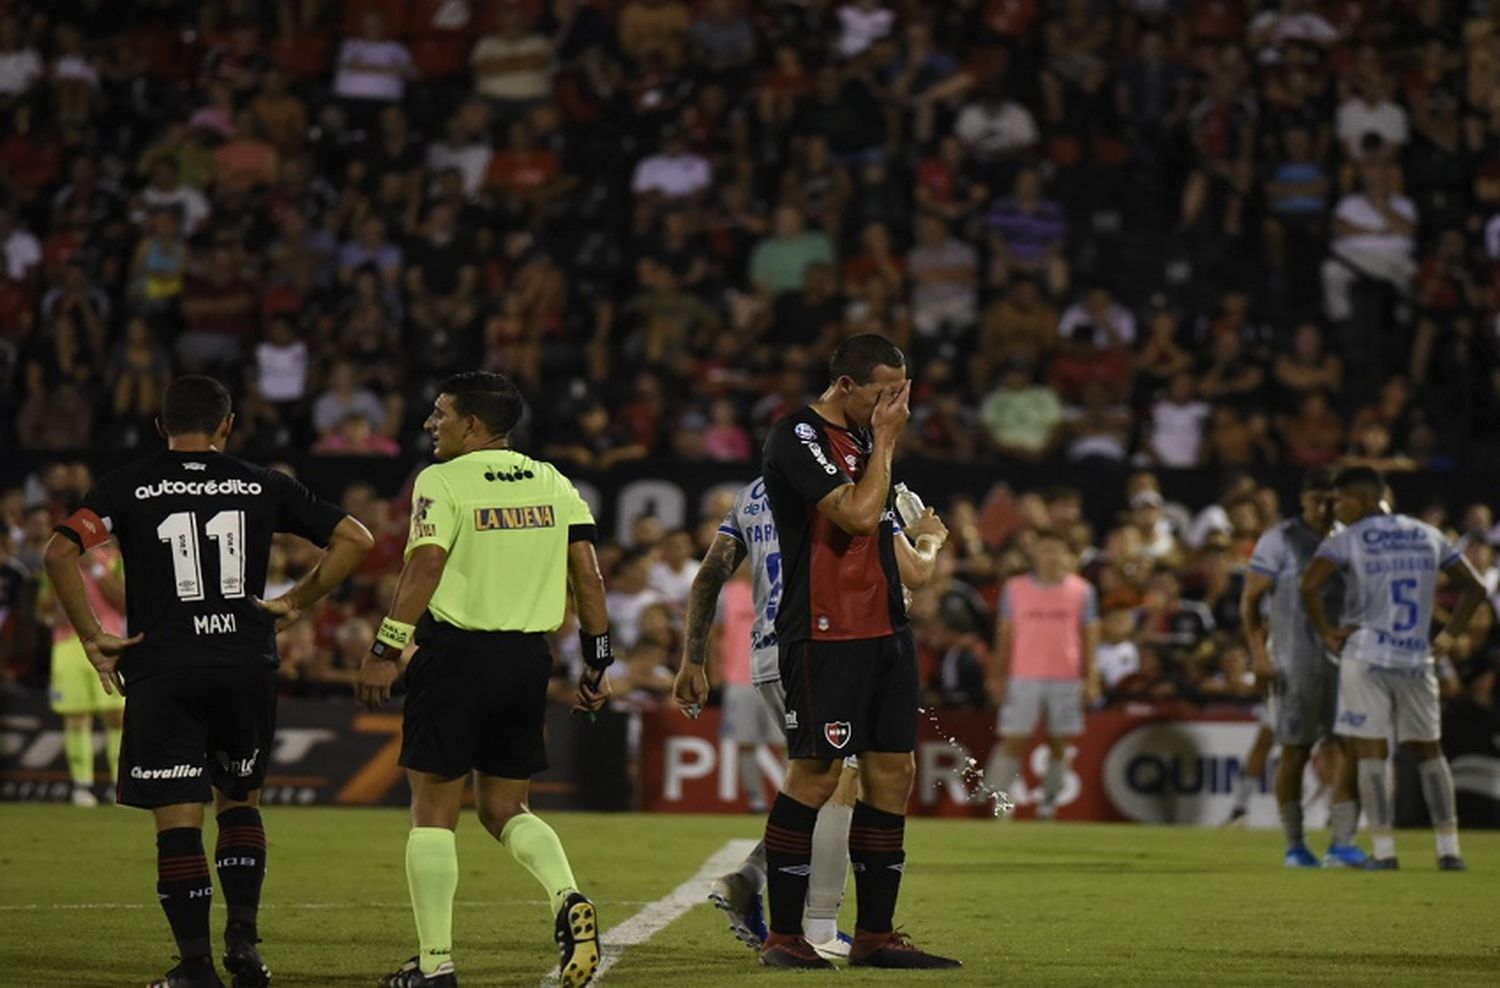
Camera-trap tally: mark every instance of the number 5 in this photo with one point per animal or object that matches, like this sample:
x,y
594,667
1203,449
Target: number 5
x,y
1402,598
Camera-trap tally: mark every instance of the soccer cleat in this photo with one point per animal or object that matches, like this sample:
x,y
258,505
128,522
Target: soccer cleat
x,y
1238,818
1345,856
782,950
1301,857
836,949
190,974
84,796
577,938
1381,864
247,969
1451,862
736,898
893,950
409,975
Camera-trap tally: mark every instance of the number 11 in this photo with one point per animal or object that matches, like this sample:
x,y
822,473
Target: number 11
x,y
180,531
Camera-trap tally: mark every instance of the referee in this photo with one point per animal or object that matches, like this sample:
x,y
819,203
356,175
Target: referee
x,y
496,540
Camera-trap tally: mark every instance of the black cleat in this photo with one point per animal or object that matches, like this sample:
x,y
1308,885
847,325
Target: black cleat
x,y
243,961
782,950
409,975
893,950
1381,864
198,973
577,937
1451,862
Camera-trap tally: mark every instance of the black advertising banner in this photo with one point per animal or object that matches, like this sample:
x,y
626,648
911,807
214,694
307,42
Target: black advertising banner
x,y
329,753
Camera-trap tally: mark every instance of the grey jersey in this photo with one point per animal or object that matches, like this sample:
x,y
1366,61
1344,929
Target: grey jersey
x,y
1283,554
749,522
1390,565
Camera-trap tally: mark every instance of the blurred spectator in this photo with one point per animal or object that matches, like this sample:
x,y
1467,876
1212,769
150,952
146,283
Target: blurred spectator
x,y
672,574
1021,416
630,594
1373,238
778,262
513,67
372,71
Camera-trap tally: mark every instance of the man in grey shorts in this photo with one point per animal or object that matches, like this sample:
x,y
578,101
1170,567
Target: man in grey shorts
x,y
1387,673
1303,679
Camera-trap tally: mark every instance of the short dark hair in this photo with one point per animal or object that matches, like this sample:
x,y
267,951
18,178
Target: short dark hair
x,y
1319,479
858,356
491,398
193,404
1367,478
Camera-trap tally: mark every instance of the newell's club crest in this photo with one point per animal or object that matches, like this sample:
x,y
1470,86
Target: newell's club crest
x,y
838,733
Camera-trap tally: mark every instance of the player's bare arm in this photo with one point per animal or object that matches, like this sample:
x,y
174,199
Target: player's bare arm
x,y
382,664
586,584
858,508
690,689
1319,572
1470,593
918,547
349,543
1093,686
1257,585
61,557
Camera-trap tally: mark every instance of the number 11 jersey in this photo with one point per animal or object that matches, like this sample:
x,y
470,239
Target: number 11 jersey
x,y
195,531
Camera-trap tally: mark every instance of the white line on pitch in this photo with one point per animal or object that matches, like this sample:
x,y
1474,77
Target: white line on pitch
x,y
461,903
658,915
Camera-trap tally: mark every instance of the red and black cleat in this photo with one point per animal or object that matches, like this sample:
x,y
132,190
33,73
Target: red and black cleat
x,y
893,950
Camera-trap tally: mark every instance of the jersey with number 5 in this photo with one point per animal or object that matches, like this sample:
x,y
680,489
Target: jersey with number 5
x,y
1390,565
195,533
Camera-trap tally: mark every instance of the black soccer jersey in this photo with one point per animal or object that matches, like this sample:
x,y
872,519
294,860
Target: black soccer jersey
x,y
835,586
195,532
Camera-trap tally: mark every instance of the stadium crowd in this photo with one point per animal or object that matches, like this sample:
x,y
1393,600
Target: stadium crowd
x,y
1163,232
1169,582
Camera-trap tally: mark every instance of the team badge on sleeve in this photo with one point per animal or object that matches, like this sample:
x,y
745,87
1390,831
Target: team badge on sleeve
x,y
805,431
838,733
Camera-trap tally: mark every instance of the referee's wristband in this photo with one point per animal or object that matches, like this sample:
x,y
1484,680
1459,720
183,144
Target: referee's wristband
x,y
392,637
597,652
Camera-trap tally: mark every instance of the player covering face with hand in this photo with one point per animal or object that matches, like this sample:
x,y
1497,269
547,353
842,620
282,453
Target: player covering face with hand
x,y
198,669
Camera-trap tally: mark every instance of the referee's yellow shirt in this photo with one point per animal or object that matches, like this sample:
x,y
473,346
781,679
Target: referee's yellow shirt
x,y
506,521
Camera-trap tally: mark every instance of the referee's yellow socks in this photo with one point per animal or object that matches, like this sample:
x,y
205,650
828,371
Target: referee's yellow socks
x,y
432,876
78,745
536,846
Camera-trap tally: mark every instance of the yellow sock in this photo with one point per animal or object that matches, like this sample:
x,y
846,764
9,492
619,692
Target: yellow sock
x,y
536,847
112,736
78,745
432,876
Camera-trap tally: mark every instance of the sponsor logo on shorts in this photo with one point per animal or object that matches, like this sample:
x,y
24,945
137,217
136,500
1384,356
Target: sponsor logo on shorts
x,y
175,772
838,733
791,720
244,767
1352,719
500,519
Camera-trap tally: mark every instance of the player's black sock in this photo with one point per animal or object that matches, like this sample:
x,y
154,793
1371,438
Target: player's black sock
x,y
789,831
877,847
240,858
185,890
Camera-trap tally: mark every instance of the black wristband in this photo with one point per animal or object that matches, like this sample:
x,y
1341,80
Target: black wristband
x,y
384,652
597,653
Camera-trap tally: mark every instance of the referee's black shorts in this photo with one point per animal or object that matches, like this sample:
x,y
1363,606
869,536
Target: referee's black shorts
x,y
476,701
848,697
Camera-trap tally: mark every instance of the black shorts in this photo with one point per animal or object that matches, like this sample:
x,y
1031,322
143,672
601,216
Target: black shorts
x,y
476,701
189,729
843,698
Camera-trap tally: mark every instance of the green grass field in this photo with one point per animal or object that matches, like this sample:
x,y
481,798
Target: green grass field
x,y
1022,904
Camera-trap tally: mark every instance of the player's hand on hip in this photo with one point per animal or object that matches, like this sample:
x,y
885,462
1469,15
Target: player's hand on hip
x,y
1335,639
282,609
690,688
593,691
1442,645
1262,666
104,651
891,412
376,677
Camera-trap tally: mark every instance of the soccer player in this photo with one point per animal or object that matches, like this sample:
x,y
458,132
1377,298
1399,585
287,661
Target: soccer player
x,y
1304,682
497,538
194,527
846,653
1045,646
1387,674
76,693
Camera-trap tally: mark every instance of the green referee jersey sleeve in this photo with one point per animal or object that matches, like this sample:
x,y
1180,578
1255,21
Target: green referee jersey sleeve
x,y
505,520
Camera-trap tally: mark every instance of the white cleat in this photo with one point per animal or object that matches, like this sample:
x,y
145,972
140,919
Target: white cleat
x,y
84,796
836,949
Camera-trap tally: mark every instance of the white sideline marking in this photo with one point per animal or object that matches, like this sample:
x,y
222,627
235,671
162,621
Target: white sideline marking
x,y
658,915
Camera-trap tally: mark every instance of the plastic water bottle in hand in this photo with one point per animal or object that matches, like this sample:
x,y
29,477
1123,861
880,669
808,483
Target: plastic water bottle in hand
x,y
909,506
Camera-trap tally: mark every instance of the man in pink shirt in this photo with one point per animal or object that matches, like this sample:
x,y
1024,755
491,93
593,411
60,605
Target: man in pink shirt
x,y
747,720
1045,646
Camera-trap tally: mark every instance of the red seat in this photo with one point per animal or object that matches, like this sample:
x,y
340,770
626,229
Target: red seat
x,y
306,56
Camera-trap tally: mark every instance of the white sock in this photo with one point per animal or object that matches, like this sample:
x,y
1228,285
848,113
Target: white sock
x,y
1242,786
821,930
1447,844
1384,846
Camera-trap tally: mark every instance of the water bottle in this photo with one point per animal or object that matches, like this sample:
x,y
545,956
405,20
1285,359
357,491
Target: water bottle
x,y
909,506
